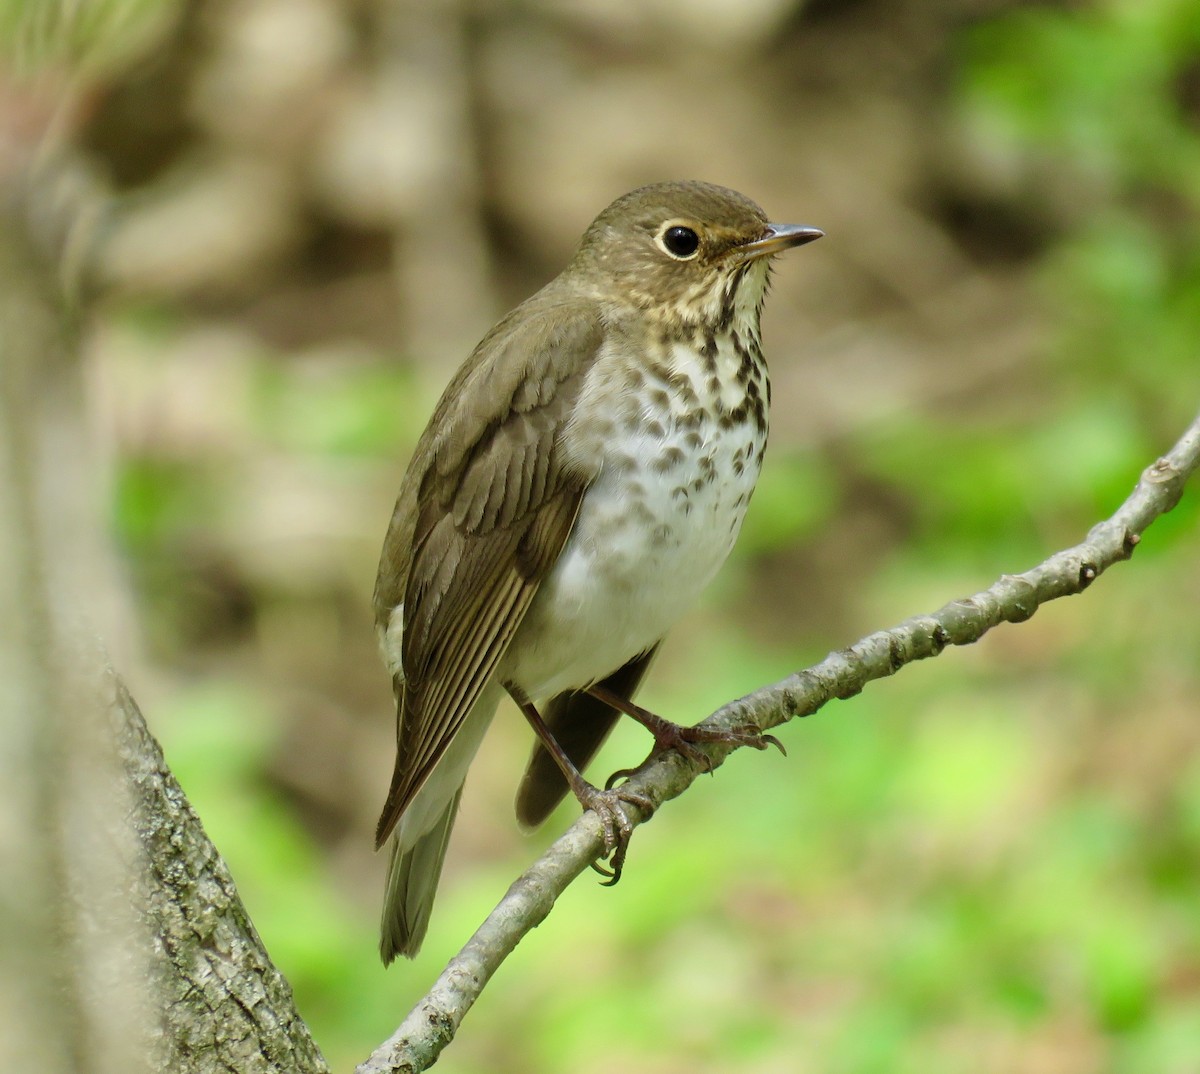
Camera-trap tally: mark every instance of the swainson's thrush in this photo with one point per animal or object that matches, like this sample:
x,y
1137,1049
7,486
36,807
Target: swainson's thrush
x,y
583,477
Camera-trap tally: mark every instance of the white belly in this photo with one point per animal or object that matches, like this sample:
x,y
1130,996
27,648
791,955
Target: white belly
x,y
653,530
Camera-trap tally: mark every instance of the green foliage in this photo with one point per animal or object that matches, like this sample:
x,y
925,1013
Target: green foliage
x,y
1103,94
331,410
87,37
156,499
794,497
977,488
1096,86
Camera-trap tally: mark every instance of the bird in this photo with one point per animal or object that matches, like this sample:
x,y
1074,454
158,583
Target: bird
x,y
581,480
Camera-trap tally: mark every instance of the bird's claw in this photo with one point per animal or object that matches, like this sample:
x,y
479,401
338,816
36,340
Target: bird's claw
x,y
752,736
606,804
615,825
619,774
685,740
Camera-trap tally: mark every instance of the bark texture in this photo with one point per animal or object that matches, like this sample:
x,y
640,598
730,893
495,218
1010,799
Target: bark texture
x,y
225,1007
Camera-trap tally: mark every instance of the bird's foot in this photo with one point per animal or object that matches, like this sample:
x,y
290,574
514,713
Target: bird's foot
x,y
687,740
683,739
615,825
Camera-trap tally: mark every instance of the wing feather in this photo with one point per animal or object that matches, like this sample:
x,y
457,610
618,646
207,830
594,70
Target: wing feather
x,y
480,521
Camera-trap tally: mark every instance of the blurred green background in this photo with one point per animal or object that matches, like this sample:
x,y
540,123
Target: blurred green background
x,y
989,863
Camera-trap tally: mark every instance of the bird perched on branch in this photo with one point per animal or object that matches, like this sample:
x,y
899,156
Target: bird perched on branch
x,y
583,477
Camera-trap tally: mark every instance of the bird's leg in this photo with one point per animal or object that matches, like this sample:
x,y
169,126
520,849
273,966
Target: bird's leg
x,y
683,739
606,804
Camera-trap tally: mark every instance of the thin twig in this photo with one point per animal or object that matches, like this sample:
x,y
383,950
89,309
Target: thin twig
x,y
432,1024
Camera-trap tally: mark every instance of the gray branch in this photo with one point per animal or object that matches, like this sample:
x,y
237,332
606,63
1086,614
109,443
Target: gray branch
x,y
432,1024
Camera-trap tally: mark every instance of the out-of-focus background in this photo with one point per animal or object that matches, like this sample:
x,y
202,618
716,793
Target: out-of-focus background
x,y
315,207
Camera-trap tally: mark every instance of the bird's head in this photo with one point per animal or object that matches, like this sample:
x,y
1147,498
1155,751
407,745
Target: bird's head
x,y
685,250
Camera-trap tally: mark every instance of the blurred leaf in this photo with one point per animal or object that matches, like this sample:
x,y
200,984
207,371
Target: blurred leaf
x,y
340,408
795,496
1092,86
156,498
93,37
955,780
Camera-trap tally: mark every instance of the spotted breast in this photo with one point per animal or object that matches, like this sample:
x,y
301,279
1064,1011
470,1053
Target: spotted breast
x,y
680,441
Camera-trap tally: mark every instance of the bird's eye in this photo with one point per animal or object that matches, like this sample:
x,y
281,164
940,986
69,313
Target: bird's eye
x,y
680,242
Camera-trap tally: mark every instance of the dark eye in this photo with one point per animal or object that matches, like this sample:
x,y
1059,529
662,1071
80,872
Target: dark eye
x,y
680,241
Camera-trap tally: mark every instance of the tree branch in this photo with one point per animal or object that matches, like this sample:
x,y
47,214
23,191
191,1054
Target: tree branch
x,y
432,1024
223,1004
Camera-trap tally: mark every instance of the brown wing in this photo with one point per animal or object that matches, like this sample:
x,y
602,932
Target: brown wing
x,y
579,723
486,507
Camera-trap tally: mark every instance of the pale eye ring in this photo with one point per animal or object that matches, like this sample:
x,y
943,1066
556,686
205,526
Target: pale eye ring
x,y
679,241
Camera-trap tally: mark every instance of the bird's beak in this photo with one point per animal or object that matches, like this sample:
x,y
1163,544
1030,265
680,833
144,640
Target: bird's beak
x,y
779,237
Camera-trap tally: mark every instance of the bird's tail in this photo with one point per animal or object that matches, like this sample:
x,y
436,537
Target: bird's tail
x,y
421,833
413,873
